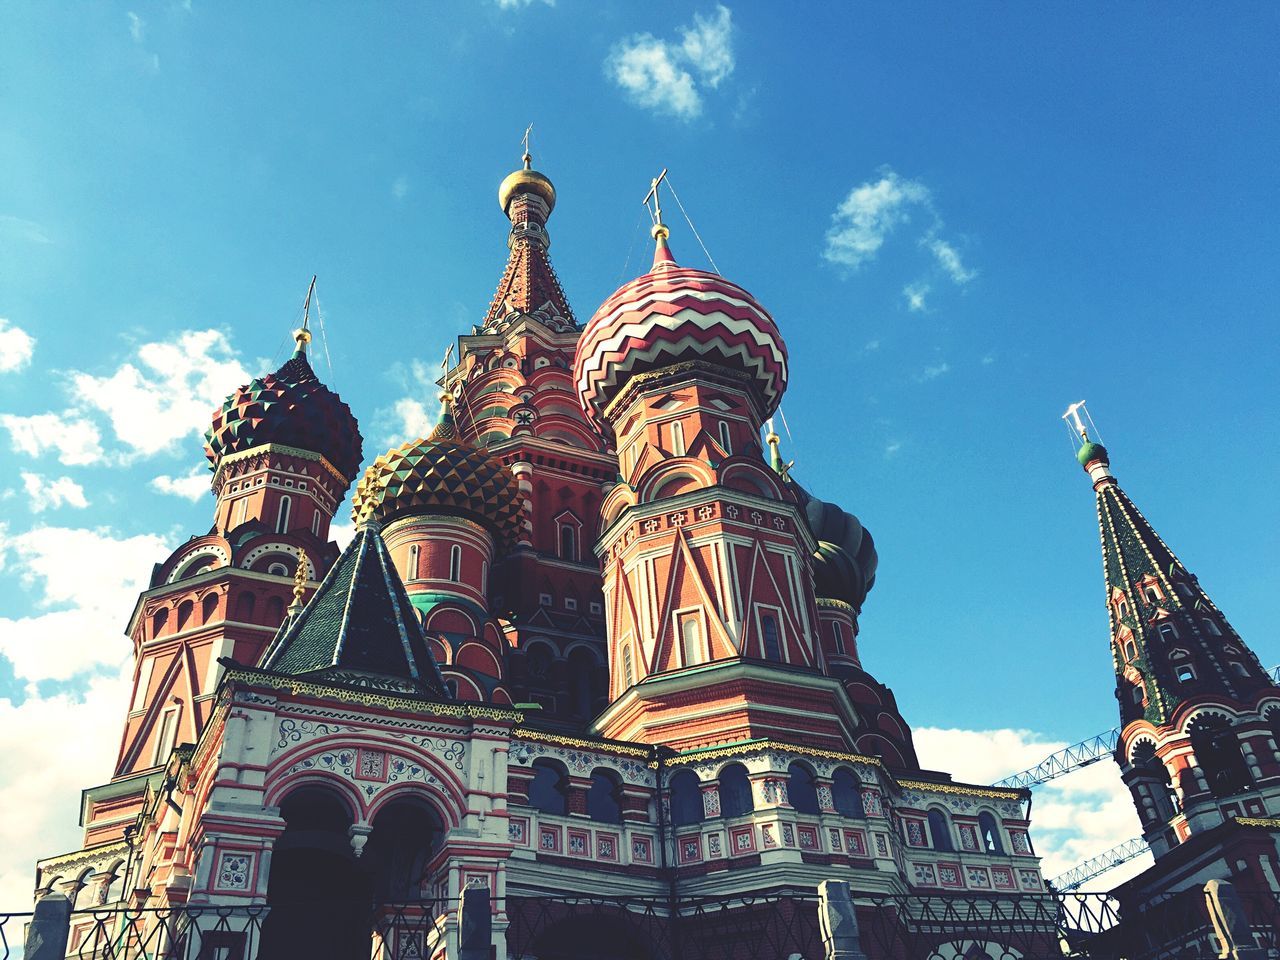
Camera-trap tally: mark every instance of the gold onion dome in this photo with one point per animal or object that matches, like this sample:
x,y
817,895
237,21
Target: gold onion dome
x,y
441,474
526,180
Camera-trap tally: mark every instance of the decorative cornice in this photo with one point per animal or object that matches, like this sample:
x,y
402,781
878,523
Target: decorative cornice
x,y
85,856
231,458
757,746
655,379
1271,823
580,743
965,791
835,604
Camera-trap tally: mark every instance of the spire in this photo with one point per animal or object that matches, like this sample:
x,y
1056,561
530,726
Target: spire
x,y
529,285
1170,643
359,628
302,336
299,586
662,258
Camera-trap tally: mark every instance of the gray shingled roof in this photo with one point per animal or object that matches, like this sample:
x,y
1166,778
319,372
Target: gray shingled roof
x,y
359,627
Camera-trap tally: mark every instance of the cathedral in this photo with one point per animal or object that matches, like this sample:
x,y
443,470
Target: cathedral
x,y
590,638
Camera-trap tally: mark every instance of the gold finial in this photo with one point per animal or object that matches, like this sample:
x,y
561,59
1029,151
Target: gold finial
x,y
775,454
302,336
659,229
299,584
528,157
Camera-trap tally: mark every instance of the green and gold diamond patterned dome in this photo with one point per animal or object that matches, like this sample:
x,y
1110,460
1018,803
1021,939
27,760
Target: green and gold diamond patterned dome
x,y
440,474
289,407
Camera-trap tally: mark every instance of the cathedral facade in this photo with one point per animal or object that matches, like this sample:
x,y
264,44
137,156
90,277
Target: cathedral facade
x,y
590,637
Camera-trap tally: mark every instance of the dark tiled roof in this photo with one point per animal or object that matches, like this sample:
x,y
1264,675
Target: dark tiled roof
x,y
359,627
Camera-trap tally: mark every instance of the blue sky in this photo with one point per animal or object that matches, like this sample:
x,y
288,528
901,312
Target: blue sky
x,y
963,217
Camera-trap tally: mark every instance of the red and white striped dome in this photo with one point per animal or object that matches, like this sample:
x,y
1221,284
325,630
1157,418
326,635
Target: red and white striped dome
x,y
673,314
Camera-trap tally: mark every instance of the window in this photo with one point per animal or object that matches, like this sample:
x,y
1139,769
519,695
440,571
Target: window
x,y
282,517
1184,591
940,831
415,552
604,798
277,570
166,734
686,799
846,794
315,523
538,661
628,676
677,438
568,543
1130,651
690,639
990,832
570,603
455,563
484,575
185,609
1168,632
1185,674
1218,754
548,787
1151,593
595,607
244,510
1239,669
735,791
801,790
725,441
769,630
838,632
144,684
159,620
1137,693
1122,608
1212,628
544,599
208,608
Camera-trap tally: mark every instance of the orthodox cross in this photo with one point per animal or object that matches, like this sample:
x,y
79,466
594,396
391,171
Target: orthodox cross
x,y
525,140
1072,416
655,210
444,370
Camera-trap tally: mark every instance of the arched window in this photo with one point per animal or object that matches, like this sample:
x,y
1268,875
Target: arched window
x,y
1122,607
1151,593
604,798
769,629
801,790
677,438
548,788
1185,674
837,632
691,640
568,543
846,793
735,791
990,832
208,608
1168,632
1183,590
1218,754
244,510
686,799
315,523
940,831
1212,628
484,576
538,662
277,570
244,607
1130,651
282,517
1239,669
185,609
159,620
415,554
628,675
455,563
726,441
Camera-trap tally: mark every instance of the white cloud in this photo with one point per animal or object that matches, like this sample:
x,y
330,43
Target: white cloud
x,y
949,259
915,294
668,77
83,625
1073,818
871,345
989,359
75,439
400,187
27,230
415,419
869,214
342,533
891,448
933,372
520,4
16,347
137,27
192,486
53,748
168,394
44,493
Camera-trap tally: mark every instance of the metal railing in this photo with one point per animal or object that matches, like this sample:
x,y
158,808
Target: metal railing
x,y
12,933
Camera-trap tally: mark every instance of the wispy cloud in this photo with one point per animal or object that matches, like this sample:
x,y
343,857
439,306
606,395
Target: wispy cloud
x,y
521,4
400,187
671,77
45,493
933,372
915,294
137,27
949,259
870,346
191,486
75,440
21,229
16,347
891,448
870,212
989,359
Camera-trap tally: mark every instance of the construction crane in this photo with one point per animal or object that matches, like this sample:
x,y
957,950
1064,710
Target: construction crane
x,y
1066,760
1082,873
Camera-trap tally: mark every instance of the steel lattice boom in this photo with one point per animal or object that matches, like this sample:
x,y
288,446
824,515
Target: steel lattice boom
x,y
1082,873
1065,760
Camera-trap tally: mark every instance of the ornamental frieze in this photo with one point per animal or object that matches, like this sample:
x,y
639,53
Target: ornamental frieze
x,y
370,778
292,732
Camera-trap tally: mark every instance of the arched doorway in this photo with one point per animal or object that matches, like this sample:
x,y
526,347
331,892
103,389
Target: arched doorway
x,y
321,901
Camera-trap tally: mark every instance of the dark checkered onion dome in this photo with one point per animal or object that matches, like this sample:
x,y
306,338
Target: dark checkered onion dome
x,y
440,474
290,407
844,565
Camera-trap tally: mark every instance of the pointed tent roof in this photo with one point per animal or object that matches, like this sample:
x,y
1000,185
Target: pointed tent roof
x,y
359,627
529,284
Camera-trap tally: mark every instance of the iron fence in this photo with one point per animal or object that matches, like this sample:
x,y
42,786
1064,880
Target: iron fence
x,y
12,933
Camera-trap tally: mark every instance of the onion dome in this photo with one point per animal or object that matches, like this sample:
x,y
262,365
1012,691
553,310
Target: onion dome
x,y
527,180
673,314
844,565
440,474
1090,452
290,407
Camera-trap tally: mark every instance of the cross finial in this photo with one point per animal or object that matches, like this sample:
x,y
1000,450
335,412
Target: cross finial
x,y
1075,421
653,201
302,336
528,157
445,396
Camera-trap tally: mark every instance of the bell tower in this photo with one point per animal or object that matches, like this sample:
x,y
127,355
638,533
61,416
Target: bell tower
x,y
1200,716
